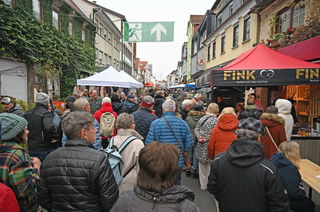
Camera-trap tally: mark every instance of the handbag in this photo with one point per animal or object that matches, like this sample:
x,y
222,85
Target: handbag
x,y
185,154
272,139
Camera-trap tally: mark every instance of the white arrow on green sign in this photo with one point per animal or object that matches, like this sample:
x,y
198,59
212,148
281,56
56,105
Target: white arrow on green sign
x,y
148,31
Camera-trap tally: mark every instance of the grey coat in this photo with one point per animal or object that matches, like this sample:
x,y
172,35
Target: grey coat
x,y
177,198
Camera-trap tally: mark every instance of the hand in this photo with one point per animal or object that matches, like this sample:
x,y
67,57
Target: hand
x,y
202,139
54,141
35,162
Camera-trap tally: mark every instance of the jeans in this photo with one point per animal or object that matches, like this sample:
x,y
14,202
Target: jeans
x,y
41,154
193,157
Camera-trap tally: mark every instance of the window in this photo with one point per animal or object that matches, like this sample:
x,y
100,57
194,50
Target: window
x,y
223,44
219,20
209,52
100,56
214,49
235,36
105,59
36,8
284,21
231,8
109,36
298,14
55,19
291,17
83,35
246,29
70,28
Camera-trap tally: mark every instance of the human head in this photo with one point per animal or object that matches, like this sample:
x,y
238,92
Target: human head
x,y
94,94
272,109
199,97
115,97
147,102
187,104
81,104
131,97
160,93
250,128
7,103
69,103
106,100
79,124
284,106
169,106
125,121
85,92
291,150
213,109
158,165
42,98
14,128
198,106
228,110
240,107
122,96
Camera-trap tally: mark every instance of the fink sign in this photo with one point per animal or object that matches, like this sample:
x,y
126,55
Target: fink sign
x,y
148,31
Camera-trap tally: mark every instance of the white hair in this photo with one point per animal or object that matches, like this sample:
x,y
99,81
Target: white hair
x,y
169,106
186,103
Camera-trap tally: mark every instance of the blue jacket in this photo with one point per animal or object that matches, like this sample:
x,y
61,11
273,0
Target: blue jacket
x,y
159,131
143,119
290,176
97,145
128,107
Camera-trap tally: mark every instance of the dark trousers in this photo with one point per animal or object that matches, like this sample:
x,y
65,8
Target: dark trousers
x,y
302,205
105,143
178,179
40,154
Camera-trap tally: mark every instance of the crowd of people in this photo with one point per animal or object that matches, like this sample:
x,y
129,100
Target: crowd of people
x,y
128,153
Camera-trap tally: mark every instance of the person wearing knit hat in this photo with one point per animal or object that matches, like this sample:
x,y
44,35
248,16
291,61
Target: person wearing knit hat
x,y
144,117
106,99
260,188
43,132
14,160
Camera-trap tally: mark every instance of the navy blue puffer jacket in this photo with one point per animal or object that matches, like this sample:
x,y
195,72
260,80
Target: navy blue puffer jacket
x,y
143,119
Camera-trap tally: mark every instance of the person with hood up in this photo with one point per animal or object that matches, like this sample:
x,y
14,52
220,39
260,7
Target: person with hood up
x,y
11,107
17,170
193,117
156,189
129,105
106,107
116,103
242,180
284,108
223,134
287,162
275,133
158,101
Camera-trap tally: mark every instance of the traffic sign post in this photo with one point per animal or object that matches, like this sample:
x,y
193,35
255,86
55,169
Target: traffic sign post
x,y
148,31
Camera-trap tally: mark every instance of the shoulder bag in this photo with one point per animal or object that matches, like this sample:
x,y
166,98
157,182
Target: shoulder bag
x,y
272,139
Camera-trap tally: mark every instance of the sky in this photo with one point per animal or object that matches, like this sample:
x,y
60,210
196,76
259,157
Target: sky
x,y
163,56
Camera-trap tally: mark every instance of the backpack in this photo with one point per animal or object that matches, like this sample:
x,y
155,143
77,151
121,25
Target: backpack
x,y
113,154
107,123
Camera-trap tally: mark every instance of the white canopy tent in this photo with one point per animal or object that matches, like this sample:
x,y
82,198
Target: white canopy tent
x,y
132,81
110,78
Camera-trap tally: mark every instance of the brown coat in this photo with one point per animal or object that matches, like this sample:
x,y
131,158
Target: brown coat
x,y
275,124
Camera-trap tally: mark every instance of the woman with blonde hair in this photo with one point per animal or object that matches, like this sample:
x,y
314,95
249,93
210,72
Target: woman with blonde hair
x,y
287,162
202,133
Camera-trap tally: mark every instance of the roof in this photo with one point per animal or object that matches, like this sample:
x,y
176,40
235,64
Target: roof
x,y
263,57
77,9
304,50
196,19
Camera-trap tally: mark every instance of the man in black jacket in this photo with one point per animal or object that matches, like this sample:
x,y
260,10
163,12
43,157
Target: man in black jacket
x,y
77,177
129,106
242,180
144,117
43,132
159,100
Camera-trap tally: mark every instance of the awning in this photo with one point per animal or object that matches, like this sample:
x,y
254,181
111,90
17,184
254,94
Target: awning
x,y
262,66
304,50
149,84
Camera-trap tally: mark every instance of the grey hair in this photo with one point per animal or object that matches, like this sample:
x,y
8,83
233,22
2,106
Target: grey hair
x,y
247,134
148,99
124,121
80,104
169,106
76,121
186,103
272,109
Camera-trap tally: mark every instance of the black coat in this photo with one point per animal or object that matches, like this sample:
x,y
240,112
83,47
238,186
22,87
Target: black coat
x,y
77,177
242,180
158,101
116,106
183,113
143,119
41,127
128,107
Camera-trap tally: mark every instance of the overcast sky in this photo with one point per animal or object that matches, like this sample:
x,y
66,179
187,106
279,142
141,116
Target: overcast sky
x,y
163,56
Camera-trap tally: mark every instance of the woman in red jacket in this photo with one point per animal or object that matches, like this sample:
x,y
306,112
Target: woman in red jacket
x,y
106,107
275,125
223,133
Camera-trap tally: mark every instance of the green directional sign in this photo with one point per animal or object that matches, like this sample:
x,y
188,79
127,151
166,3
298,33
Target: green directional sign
x,y
148,31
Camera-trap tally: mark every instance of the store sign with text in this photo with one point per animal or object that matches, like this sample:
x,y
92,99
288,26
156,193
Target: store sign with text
x,y
265,77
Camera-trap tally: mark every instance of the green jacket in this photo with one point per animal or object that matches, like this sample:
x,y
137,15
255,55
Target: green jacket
x,y
16,172
192,119
95,104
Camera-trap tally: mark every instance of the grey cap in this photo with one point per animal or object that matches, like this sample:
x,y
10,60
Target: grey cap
x,y
148,99
42,98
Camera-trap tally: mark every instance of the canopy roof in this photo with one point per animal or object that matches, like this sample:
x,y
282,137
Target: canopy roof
x,y
262,66
134,83
110,77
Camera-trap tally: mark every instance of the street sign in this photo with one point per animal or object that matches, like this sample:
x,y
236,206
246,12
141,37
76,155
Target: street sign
x,y
148,31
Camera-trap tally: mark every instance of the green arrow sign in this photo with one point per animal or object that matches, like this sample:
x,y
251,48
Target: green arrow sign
x,y
148,31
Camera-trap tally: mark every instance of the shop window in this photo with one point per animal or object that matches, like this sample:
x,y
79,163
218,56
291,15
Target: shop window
x,y
291,17
36,9
209,49
214,49
55,19
246,29
235,36
223,44
70,28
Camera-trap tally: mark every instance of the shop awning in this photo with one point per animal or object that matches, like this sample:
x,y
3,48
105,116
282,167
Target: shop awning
x,y
262,66
305,50
149,84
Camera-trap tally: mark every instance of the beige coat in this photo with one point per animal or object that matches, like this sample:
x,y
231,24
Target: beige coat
x,y
129,157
